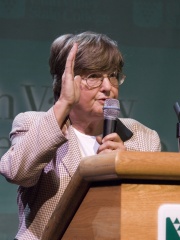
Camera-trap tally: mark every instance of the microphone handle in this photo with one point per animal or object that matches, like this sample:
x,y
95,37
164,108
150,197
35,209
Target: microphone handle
x,y
109,126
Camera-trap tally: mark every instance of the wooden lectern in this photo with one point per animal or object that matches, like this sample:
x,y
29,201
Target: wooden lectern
x,y
116,196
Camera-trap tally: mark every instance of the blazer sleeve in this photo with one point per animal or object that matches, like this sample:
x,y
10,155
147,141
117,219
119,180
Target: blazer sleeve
x,y
35,137
143,139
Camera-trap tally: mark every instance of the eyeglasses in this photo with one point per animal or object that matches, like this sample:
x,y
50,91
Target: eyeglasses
x,y
95,80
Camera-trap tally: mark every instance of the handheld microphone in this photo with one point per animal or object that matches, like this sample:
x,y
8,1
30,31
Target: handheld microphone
x,y
111,111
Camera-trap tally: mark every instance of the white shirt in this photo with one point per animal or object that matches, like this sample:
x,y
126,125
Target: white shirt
x,y
87,144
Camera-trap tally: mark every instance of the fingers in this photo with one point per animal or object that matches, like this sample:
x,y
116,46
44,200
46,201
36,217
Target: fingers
x,y
109,147
111,142
99,139
69,67
112,137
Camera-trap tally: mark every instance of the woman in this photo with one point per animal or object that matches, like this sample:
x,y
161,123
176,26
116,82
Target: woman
x,y
48,146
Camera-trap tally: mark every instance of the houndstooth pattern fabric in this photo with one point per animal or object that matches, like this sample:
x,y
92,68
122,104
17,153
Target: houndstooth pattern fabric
x,y
42,161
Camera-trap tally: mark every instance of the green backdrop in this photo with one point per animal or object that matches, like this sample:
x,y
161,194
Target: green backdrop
x,y
148,34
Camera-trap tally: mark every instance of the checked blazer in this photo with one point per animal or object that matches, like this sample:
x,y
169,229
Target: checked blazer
x,y
42,161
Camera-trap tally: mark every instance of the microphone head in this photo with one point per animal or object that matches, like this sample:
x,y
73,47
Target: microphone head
x,y
111,108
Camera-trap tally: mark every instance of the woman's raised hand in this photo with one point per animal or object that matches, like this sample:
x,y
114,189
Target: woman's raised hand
x,y
70,88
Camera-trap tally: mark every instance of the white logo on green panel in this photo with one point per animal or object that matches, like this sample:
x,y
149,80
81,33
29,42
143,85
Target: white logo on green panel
x,y
169,222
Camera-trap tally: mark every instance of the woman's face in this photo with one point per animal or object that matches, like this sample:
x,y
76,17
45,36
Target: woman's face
x,y
90,105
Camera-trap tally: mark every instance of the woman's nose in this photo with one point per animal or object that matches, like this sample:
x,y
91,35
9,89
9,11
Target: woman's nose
x,y
106,84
